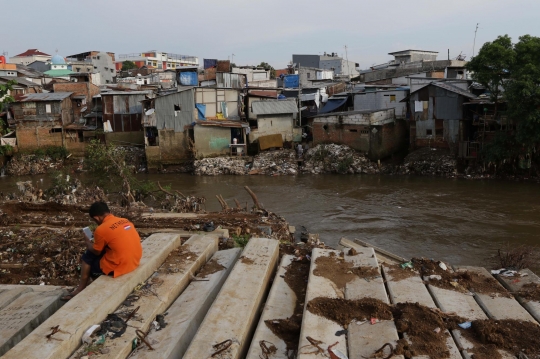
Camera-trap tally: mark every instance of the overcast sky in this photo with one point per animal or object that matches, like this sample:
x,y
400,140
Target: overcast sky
x,y
261,30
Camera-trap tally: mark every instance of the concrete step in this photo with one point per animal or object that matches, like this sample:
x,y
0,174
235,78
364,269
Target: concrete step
x,y
171,284
498,307
515,284
413,290
279,305
363,340
314,326
23,310
186,314
231,320
92,305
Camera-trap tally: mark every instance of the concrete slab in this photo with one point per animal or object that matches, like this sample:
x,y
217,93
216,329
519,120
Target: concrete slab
x,y
514,284
413,290
9,295
170,287
313,326
462,304
92,305
468,346
279,305
233,316
363,340
172,215
498,307
27,312
186,314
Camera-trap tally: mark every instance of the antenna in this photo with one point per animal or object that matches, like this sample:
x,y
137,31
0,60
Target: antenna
x,y
474,43
347,58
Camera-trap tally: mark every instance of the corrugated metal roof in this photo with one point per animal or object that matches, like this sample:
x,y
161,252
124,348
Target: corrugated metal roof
x,y
20,81
50,96
270,107
235,124
448,87
126,93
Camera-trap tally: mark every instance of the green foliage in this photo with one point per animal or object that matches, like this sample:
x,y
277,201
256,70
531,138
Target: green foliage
x,y
241,240
4,90
56,153
267,67
344,164
128,65
512,72
321,153
6,150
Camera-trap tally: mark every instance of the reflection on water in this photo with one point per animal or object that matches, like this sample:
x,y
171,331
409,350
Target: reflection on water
x,y
460,221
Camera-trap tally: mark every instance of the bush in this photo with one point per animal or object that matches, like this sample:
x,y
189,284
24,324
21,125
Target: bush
x,y
343,165
56,153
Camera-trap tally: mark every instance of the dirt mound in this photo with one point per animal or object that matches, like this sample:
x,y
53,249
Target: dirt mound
x,y
332,158
210,268
399,273
530,291
343,311
341,272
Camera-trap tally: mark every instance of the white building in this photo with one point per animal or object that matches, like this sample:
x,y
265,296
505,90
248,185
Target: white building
x,y
158,60
30,56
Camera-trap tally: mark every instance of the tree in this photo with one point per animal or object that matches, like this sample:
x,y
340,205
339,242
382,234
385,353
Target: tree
x,y
267,67
128,65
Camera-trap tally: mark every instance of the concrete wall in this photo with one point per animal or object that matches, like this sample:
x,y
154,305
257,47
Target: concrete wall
x,y
273,124
125,138
353,135
387,140
211,141
409,69
31,138
382,99
306,60
172,149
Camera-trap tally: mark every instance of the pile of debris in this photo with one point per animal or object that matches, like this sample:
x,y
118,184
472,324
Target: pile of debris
x,y
430,162
279,162
29,164
220,166
134,156
332,158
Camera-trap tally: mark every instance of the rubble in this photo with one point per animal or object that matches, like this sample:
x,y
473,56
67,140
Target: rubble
x,y
332,158
30,164
279,162
220,166
430,162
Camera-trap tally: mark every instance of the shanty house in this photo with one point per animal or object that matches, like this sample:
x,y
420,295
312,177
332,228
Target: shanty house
x,y
373,100
39,118
214,138
275,117
437,114
374,132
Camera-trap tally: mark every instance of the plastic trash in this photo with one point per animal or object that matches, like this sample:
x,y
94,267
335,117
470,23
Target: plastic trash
x,y
407,265
335,353
433,277
374,320
497,271
86,336
437,330
443,266
465,325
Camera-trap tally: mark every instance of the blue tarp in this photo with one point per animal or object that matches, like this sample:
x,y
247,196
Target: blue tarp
x,y
333,104
188,79
209,63
290,81
201,110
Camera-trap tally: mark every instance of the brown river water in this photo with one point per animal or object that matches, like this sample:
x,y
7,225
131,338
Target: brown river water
x,y
460,221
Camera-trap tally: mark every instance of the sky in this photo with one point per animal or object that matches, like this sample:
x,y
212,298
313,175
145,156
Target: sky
x,y
261,30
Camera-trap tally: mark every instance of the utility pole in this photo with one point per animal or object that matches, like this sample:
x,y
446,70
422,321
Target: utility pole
x,y
347,58
232,61
474,43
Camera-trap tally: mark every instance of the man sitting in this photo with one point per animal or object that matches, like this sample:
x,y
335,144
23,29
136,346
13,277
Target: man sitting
x,y
116,249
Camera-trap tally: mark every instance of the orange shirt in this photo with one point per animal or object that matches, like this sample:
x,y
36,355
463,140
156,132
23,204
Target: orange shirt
x,y
122,245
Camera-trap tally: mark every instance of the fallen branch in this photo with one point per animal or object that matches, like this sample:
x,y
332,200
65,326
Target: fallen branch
x,y
237,204
254,198
221,202
164,190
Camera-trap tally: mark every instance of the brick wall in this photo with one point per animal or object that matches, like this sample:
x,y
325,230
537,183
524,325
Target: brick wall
x,y
30,138
353,135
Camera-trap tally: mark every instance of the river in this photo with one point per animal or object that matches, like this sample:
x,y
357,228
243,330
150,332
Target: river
x,y
460,221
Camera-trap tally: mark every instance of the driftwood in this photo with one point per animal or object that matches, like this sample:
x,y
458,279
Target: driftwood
x,y
237,204
222,202
164,190
254,198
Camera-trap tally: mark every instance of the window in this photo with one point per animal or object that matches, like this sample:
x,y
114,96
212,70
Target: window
x,y
308,75
392,98
429,132
177,108
353,130
98,57
48,108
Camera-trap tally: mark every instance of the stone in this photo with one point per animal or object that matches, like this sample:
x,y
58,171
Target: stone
x,y
279,305
233,316
92,305
22,315
187,312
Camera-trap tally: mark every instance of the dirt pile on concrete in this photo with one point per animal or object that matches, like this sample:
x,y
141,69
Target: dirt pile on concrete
x,y
430,162
343,311
341,272
220,166
530,291
279,162
332,158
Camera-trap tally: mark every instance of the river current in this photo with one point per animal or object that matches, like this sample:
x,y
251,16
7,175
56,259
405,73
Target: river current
x,y
460,221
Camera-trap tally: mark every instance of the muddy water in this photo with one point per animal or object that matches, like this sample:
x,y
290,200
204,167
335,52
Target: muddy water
x,y
461,221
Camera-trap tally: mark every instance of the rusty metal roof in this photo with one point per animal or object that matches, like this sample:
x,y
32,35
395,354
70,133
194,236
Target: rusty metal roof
x,y
50,96
224,123
448,87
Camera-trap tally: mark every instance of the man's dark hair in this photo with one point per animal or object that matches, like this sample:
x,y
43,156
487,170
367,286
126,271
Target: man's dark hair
x,y
98,209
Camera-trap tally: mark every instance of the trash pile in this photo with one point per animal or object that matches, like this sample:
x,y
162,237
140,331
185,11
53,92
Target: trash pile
x,y
28,164
279,162
179,203
134,156
332,158
431,162
220,166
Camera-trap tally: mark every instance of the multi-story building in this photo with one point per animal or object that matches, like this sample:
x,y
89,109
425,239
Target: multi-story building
x,y
29,56
102,63
158,60
332,61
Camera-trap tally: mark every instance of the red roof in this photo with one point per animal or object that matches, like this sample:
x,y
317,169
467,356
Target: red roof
x,y
32,52
282,72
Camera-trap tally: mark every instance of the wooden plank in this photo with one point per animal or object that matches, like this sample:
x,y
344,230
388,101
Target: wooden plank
x,y
364,339
233,317
279,305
